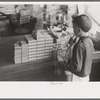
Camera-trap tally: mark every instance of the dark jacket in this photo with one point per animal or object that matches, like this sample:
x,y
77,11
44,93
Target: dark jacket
x,y
81,61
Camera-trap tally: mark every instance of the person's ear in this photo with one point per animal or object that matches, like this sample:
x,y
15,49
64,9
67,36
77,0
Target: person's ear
x,y
78,32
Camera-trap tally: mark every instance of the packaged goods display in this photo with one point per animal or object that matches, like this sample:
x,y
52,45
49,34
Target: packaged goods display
x,y
17,52
60,52
42,47
36,46
31,47
24,49
39,45
44,44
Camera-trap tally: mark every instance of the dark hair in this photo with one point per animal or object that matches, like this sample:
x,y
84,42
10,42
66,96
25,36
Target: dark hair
x,y
83,22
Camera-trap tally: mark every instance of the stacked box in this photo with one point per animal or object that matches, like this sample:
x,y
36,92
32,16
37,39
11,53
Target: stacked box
x,y
31,47
48,45
17,53
24,55
44,44
40,45
37,34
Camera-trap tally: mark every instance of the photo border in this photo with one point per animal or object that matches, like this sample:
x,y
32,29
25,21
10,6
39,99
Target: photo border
x,y
22,98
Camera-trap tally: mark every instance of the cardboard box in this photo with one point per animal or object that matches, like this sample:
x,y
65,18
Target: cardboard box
x,y
30,39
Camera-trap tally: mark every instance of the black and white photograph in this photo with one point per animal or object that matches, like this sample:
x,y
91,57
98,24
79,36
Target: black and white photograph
x,y
50,42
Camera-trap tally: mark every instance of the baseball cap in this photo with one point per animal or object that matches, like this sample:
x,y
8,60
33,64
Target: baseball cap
x,y
83,22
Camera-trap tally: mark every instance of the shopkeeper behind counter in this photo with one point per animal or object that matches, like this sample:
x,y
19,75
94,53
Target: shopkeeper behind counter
x,y
79,65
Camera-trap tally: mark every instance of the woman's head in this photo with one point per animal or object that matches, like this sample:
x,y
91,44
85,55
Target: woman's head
x,y
81,23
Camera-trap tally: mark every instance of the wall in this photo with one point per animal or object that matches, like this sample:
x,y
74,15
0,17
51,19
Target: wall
x,y
92,11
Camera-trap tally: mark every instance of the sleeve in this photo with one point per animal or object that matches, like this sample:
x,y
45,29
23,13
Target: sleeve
x,y
77,61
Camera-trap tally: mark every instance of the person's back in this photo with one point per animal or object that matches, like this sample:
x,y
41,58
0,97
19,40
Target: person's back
x,y
89,56
86,53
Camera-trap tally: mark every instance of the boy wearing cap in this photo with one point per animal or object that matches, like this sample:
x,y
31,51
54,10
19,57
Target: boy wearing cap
x,y
81,61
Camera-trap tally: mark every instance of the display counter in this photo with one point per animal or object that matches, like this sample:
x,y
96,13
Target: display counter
x,y
23,71
29,71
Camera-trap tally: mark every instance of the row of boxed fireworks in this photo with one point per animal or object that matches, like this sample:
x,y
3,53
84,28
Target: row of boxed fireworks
x,y
32,49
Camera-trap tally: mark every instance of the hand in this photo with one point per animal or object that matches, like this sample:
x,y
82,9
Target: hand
x,y
59,58
58,69
71,41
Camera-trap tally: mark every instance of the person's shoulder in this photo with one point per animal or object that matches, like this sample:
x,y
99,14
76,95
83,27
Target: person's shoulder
x,y
85,44
80,45
88,41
